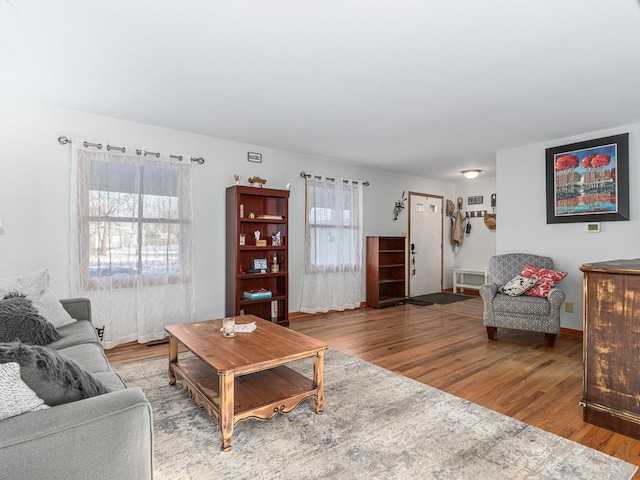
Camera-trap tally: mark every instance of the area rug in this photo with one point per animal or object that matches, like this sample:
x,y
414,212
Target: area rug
x,y
376,425
442,298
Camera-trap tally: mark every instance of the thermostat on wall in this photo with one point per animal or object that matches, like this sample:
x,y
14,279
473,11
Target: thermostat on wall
x,y
593,227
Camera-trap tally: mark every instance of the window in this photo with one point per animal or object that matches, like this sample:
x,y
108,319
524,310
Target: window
x,y
333,247
334,229
134,226
131,248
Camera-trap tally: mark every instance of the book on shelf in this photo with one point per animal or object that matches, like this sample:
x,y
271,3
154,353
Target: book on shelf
x,y
270,217
257,293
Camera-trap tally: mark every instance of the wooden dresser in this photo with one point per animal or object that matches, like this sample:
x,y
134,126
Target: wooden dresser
x,y
612,345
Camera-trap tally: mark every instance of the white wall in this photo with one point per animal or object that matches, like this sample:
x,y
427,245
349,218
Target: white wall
x,y
34,193
479,245
521,216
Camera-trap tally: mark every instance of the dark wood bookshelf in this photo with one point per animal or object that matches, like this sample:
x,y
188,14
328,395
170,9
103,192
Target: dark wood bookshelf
x,y
386,271
243,201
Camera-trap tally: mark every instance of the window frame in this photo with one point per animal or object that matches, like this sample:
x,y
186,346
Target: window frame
x,y
312,229
91,282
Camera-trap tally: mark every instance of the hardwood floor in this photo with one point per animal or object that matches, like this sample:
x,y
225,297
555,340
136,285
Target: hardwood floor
x,y
446,346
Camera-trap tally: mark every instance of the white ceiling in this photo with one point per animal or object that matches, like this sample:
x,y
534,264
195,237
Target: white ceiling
x,y
425,87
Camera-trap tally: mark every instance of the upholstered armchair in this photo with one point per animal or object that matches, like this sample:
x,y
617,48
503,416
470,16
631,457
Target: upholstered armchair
x,y
522,312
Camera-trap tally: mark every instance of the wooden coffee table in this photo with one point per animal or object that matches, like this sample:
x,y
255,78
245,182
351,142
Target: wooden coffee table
x,y
241,377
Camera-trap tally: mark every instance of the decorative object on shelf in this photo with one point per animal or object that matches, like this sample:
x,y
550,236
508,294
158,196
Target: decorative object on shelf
x,y
399,206
241,210
237,179
259,243
257,293
252,215
243,240
259,263
588,181
276,240
275,268
254,157
257,181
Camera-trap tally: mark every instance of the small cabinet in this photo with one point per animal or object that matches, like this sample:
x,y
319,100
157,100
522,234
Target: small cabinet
x,y
263,210
386,271
611,345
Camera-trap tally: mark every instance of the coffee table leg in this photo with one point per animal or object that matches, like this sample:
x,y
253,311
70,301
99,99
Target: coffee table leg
x,y
173,358
318,379
226,409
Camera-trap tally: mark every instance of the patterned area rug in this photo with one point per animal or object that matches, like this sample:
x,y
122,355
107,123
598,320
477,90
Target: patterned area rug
x,y
376,425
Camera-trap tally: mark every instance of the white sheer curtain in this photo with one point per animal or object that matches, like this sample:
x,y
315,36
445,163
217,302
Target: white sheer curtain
x,y
131,240
333,246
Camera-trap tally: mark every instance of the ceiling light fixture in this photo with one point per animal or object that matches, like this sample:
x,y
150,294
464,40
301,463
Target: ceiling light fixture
x,y
470,173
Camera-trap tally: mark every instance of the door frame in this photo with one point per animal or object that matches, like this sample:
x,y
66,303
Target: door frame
x,y
441,239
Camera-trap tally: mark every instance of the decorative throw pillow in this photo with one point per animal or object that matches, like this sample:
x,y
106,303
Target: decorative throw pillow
x,y
547,279
15,396
517,286
20,321
34,287
56,379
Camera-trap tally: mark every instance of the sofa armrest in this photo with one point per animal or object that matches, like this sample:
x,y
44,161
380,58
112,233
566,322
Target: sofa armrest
x,y
556,297
78,308
488,291
104,437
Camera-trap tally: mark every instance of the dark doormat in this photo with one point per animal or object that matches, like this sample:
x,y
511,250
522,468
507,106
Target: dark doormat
x,y
439,298
416,301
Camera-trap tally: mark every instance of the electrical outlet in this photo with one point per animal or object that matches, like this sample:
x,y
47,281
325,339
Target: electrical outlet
x,y
568,307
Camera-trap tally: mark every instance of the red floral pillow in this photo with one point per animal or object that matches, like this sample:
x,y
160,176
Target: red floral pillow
x,y
547,279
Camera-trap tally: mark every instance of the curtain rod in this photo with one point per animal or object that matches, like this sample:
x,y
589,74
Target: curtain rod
x,y
64,140
308,175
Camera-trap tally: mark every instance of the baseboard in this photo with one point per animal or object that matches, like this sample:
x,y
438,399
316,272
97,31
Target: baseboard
x,y
299,315
571,331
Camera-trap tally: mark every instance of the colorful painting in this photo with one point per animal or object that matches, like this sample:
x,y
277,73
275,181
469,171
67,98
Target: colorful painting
x,y
588,181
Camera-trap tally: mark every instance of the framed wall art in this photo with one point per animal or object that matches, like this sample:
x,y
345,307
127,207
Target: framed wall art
x,y
254,157
588,181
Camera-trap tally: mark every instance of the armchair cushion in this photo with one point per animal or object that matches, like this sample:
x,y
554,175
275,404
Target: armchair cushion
x,y
547,279
517,286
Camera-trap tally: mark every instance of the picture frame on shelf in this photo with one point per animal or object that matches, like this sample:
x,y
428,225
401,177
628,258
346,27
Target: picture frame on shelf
x,y
259,263
588,181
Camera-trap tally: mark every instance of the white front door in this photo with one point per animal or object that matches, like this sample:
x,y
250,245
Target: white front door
x,y
425,244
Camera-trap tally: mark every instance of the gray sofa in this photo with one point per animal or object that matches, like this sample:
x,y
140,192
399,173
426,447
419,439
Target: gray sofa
x,y
103,437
